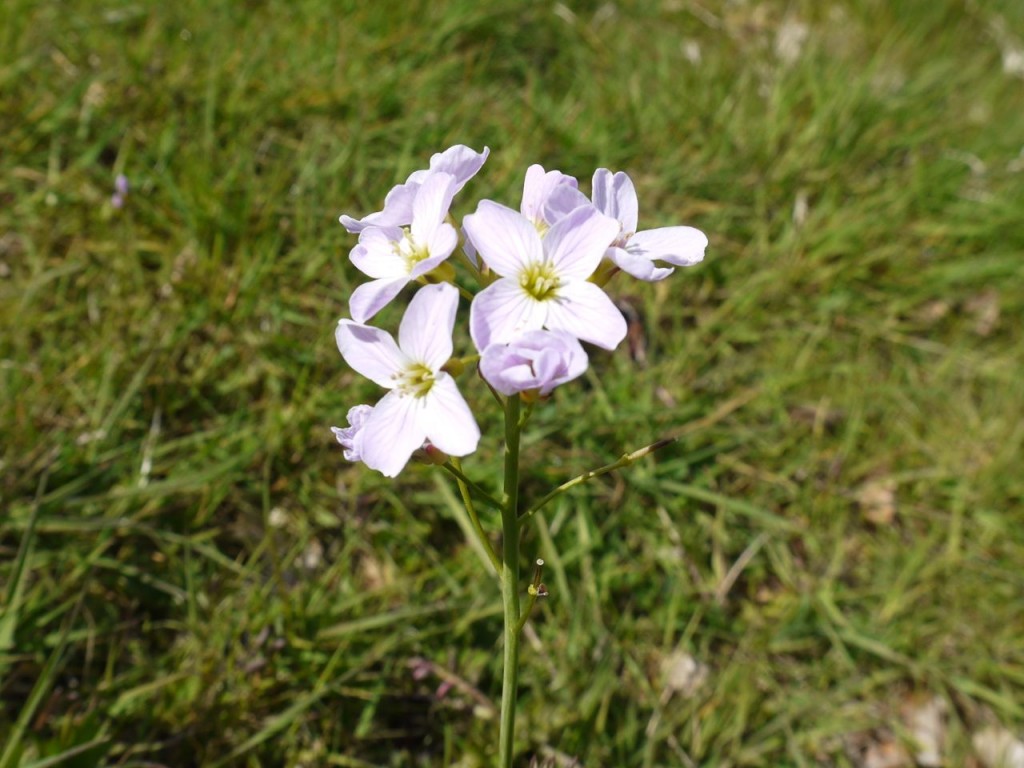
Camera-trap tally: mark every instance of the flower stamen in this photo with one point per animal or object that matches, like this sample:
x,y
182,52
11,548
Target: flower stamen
x,y
540,280
410,251
416,380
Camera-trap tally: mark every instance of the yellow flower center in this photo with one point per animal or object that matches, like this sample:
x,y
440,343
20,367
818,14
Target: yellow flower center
x,y
416,380
540,281
411,251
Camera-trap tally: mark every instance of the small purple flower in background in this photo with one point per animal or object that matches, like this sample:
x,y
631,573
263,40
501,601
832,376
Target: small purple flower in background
x,y
537,360
423,402
635,252
120,191
350,436
394,256
459,161
543,283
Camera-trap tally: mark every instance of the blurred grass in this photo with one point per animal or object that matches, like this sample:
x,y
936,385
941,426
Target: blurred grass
x,y
209,583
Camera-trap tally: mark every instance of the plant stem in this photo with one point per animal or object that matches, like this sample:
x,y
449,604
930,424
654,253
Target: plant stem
x,y
474,518
453,468
624,461
534,594
510,583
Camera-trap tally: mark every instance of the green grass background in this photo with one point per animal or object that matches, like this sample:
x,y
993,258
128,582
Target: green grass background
x,y
208,582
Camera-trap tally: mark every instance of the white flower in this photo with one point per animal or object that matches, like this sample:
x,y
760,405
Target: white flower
x,y
635,252
459,161
423,402
350,437
543,284
537,360
397,255
547,197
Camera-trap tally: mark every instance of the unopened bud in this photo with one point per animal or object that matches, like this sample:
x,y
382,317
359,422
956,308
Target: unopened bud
x,y
455,367
442,273
430,454
604,272
532,396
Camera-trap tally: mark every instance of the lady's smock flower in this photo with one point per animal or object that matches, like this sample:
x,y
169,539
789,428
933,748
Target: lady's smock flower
x,y
459,161
350,437
397,255
635,252
547,197
423,402
543,202
543,283
537,360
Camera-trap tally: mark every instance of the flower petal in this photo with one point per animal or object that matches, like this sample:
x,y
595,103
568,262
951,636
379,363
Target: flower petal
x,y
431,206
440,247
397,211
469,249
538,187
505,239
573,361
375,256
576,244
585,311
460,161
391,433
503,310
638,266
615,196
370,298
425,334
429,264
538,360
370,352
505,369
446,419
553,367
350,437
562,201
682,246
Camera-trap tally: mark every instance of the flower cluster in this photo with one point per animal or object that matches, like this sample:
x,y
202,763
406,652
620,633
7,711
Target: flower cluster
x,y
539,276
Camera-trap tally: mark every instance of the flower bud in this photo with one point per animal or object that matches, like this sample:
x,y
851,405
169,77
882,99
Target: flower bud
x,y
350,437
535,362
430,454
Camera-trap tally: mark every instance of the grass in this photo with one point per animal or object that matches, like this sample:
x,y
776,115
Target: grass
x,y
192,574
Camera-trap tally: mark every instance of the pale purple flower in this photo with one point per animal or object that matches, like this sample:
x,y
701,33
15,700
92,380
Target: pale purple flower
x,y
459,161
423,402
543,200
394,256
636,252
120,191
350,437
547,197
543,283
537,360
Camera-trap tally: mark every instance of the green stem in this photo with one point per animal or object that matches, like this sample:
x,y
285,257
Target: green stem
x,y
534,593
455,470
624,461
510,583
467,500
